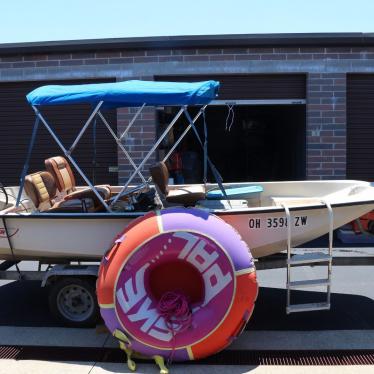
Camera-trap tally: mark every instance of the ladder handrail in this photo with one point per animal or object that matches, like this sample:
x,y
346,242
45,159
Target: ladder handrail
x,y
327,258
288,225
331,224
331,239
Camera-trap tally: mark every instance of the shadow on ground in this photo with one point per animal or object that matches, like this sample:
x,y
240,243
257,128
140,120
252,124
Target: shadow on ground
x,y
348,312
26,304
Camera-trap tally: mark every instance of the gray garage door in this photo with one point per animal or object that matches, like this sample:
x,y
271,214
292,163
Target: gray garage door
x,y
360,126
16,122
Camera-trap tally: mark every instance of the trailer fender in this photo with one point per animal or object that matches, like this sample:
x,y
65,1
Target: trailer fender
x,y
70,271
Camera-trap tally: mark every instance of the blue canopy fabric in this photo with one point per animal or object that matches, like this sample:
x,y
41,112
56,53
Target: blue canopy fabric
x,y
126,94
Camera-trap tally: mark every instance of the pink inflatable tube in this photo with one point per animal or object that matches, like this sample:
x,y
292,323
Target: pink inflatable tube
x,y
177,250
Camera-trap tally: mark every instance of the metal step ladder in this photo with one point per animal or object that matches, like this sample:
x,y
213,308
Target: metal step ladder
x,y
309,259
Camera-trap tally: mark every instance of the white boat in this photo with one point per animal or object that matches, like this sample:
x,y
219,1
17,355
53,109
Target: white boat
x,y
260,220
258,211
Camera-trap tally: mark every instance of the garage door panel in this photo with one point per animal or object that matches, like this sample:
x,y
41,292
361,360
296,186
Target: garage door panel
x,y
16,123
251,86
360,126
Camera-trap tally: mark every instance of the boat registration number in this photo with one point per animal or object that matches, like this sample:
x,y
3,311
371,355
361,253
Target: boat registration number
x,y
276,222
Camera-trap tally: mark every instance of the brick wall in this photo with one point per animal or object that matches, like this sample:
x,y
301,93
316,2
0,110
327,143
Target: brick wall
x,y
211,55
138,141
326,126
326,69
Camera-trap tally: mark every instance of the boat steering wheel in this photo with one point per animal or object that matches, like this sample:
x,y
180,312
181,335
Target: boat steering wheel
x,y
129,192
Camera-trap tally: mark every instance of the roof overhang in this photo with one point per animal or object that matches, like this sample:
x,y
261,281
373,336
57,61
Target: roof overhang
x,y
195,41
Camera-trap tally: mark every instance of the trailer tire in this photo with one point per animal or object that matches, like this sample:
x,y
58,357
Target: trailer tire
x,y
73,301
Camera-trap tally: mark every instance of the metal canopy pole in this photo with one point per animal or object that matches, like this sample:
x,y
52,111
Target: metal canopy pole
x,y
215,172
181,110
67,154
132,121
120,145
26,165
84,128
184,133
94,161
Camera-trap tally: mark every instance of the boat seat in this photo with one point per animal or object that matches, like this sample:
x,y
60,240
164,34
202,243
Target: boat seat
x,y
41,188
65,181
186,195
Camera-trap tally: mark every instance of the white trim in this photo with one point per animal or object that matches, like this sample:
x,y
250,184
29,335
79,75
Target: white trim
x,y
259,102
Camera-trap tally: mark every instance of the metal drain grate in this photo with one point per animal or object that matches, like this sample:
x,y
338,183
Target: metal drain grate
x,y
9,352
296,358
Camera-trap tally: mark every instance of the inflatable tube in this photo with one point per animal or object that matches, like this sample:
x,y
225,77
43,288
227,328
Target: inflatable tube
x,y
185,250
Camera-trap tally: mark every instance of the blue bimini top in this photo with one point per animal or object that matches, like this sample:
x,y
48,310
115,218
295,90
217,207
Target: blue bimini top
x,y
126,94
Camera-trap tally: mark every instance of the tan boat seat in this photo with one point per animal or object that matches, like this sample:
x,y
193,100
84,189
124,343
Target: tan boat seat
x,y
186,195
65,181
62,173
41,188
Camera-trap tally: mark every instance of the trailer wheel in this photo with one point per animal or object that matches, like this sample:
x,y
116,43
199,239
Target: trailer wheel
x,y
73,302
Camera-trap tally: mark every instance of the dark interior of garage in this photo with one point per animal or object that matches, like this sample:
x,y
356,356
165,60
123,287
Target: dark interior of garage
x,y
253,143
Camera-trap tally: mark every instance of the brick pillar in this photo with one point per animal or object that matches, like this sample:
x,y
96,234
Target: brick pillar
x,y
137,142
326,126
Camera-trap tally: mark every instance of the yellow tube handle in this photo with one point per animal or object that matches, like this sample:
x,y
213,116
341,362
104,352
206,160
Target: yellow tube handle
x,y
161,364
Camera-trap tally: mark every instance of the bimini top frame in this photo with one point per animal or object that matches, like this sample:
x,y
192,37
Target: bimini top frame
x,y
114,95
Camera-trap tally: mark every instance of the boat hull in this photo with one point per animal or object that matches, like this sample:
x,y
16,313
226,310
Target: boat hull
x,y
266,232
74,238
88,237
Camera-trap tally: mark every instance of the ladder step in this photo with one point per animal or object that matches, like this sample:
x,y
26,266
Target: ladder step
x,y
294,308
309,258
309,283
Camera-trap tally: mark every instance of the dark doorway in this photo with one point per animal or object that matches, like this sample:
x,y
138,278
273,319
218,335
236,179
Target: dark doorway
x,y
263,143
